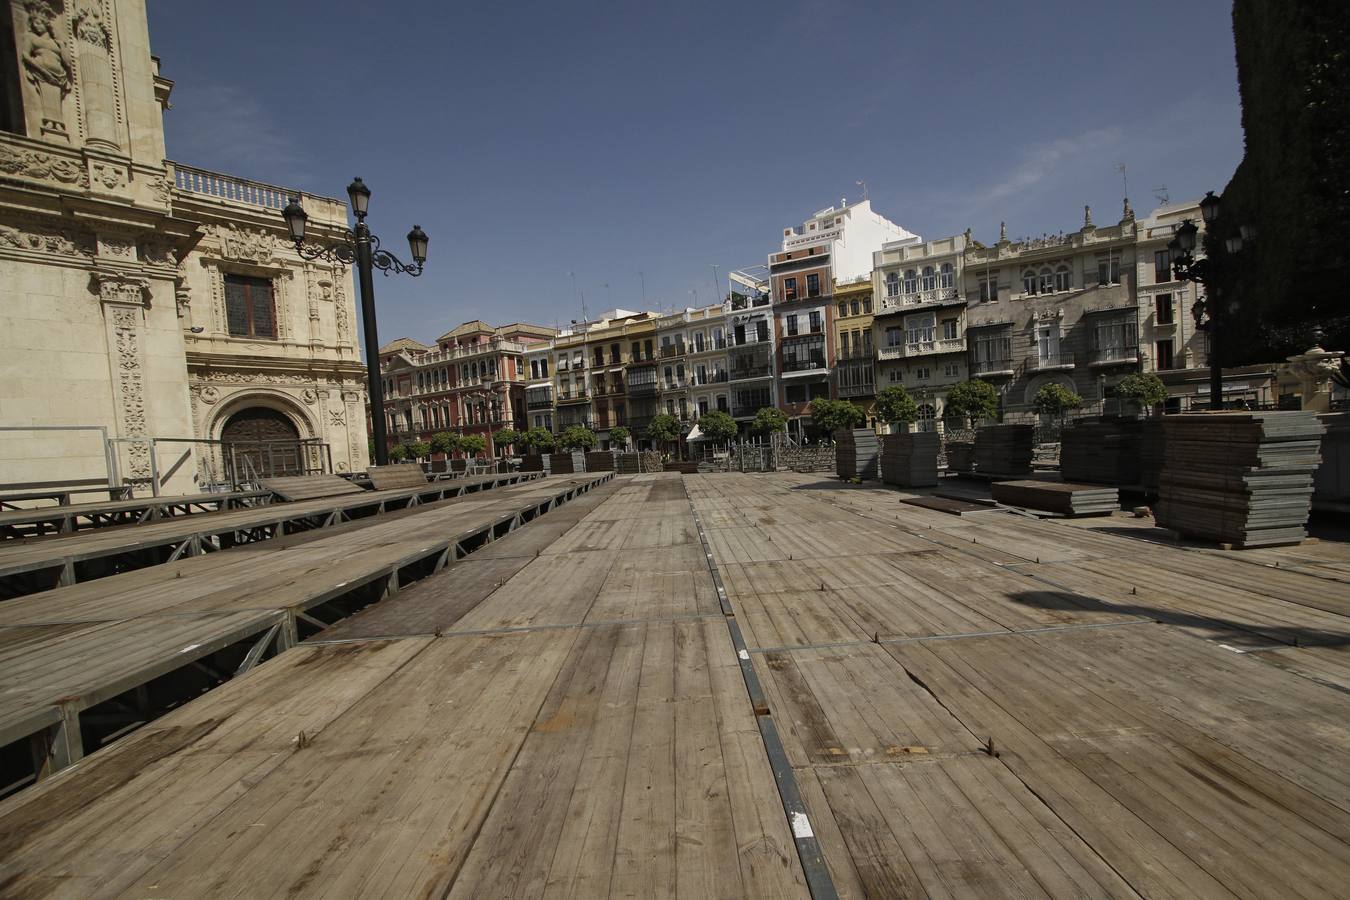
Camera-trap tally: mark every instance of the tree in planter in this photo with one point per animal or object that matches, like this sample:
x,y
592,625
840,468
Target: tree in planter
x,y
398,453
472,445
896,407
537,440
619,435
718,426
504,438
578,437
833,415
415,450
1054,399
973,400
446,442
769,420
1146,391
663,429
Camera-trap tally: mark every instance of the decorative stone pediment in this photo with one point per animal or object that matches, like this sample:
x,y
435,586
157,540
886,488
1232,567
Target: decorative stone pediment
x,y
44,239
120,289
40,166
245,245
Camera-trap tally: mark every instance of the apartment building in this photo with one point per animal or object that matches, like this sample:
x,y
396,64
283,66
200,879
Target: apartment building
x,y
920,320
750,345
854,349
473,380
707,361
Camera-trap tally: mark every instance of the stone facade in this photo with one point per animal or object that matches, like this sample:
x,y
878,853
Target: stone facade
x,y
110,255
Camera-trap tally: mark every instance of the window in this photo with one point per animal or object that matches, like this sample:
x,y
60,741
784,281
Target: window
x,y
893,337
952,370
543,368
702,406
717,339
1029,282
892,284
949,332
701,374
843,309
562,366
599,356
911,281
647,348
637,351
989,289
1163,354
893,374
1115,338
929,280
698,342
1162,309
721,402
920,329
670,378
796,393
1108,270
1047,281
789,288
791,325
945,276
867,342
856,306
1063,281
738,334
922,373
762,330
867,305
813,285
248,307
1162,266
613,354
816,323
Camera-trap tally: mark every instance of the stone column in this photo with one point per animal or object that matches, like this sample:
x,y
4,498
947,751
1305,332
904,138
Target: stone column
x,y
124,299
97,93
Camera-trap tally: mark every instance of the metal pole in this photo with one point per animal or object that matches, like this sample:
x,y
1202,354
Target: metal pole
x,y
374,385
154,470
1215,369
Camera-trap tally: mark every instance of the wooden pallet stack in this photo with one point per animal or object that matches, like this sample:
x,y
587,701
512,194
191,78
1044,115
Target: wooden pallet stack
x,y
856,452
1240,478
910,459
629,463
560,464
1151,442
1101,451
961,456
1004,451
534,462
1058,497
600,461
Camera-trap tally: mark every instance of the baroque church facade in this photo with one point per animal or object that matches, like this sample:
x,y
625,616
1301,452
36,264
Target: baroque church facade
x,y
147,298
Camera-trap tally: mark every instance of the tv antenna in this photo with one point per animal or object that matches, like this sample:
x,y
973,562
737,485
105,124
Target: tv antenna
x,y
1162,196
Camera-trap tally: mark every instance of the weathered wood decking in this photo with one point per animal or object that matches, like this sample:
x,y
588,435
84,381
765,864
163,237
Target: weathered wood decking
x,y
978,706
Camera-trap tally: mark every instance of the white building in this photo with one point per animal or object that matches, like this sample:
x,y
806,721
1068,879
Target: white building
x,y
853,234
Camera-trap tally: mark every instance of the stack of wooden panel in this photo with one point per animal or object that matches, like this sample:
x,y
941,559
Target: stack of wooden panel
x,y
960,456
1151,443
534,462
560,464
856,452
1004,451
629,463
1239,478
910,459
1058,497
600,461
1101,451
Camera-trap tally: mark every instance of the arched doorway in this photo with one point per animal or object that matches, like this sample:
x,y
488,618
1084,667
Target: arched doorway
x,y
262,441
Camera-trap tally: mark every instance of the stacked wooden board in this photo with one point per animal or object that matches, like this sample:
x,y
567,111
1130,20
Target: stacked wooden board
x,y
910,459
394,477
534,462
1101,451
960,456
600,461
856,452
629,463
560,464
1058,497
1151,442
308,487
1239,478
1004,451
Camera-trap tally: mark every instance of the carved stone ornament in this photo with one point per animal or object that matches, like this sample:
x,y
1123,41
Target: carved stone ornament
x,y
46,240
254,378
45,65
111,177
209,394
120,289
121,248
244,244
90,27
337,418
309,396
41,166
130,386
157,253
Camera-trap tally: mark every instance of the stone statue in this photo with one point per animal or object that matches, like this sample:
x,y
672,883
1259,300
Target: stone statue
x,y
1087,217
1003,231
45,65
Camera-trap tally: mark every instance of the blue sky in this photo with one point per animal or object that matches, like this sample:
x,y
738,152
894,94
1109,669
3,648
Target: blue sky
x,y
533,140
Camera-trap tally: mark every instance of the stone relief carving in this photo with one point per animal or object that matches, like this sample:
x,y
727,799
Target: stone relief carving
x,y
116,246
337,418
157,253
90,27
42,166
309,396
254,378
46,240
207,393
45,65
244,244
340,318
130,386
122,289
163,189
111,177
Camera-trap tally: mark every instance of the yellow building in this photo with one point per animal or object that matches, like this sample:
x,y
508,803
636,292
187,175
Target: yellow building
x,y
855,368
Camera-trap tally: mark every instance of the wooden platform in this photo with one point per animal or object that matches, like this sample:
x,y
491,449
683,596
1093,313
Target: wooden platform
x,y
752,686
30,566
401,475
71,517
307,487
76,647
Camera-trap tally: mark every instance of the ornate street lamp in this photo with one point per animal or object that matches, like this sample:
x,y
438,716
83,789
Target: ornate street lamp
x,y
361,247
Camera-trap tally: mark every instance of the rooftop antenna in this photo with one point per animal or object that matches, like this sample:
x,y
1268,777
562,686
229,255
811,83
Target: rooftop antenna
x,y
1124,179
715,284
643,276
863,185
1161,194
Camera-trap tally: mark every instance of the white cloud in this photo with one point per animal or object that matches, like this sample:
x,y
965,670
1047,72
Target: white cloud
x,y
223,127
1043,160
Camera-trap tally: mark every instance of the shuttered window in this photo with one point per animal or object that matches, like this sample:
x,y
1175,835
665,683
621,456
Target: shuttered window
x,y
249,307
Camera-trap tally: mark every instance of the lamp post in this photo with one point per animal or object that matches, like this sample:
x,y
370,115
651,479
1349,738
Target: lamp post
x,y
1207,312
363,248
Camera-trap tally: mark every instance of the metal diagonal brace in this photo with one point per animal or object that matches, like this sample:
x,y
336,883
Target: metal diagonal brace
x,y
255,652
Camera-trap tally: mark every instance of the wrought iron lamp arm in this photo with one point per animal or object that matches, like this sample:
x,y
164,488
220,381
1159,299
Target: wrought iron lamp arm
x,y
387,262
344,251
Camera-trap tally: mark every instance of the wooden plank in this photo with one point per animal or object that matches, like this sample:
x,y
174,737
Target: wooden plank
x,y
308,487
399,475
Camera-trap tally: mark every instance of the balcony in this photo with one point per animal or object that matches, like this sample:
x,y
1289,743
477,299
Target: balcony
x,y
858,390
992,367
573,397
672,351
539,403
805,365
709,346
921,300
1051,362
1114,356
748,372
712,378
645,389
929,348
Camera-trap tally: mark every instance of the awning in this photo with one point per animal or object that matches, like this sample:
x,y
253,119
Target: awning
x,y
695,434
